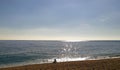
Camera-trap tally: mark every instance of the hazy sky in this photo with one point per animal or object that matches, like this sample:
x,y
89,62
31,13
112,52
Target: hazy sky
x,y
60,19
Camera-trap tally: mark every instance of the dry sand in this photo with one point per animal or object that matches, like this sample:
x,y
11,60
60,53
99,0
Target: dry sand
x,y
104,64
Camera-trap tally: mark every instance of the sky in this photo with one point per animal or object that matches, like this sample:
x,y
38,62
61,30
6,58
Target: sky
x,y
59,19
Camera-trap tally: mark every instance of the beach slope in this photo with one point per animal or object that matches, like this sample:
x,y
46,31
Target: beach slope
x,y
104,64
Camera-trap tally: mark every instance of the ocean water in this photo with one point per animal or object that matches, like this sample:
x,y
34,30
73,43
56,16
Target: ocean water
x,y
24,52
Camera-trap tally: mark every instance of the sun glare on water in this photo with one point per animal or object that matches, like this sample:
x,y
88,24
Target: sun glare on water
x,y
73,40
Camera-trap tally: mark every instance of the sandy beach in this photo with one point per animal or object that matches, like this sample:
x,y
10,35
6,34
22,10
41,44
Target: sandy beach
x,y
104,64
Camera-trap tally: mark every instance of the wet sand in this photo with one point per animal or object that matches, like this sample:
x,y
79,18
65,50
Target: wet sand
x,y
104,64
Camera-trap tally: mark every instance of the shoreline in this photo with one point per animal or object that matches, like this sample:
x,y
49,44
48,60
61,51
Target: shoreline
x,y
102,64
33,63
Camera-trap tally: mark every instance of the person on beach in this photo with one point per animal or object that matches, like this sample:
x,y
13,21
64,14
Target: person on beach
x,y
55,61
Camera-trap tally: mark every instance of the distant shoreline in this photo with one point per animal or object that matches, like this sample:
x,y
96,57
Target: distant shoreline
x,y
103,64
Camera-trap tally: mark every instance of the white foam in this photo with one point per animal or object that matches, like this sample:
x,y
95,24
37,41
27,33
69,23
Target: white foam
x,y
65,59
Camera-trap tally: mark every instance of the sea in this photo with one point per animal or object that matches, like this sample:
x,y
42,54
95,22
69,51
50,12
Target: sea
x,y
27,52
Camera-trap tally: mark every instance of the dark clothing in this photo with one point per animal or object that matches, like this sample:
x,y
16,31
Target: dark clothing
x,y
55,61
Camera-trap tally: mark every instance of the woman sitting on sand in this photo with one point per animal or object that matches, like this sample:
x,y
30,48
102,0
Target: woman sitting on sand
x,y
55,61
